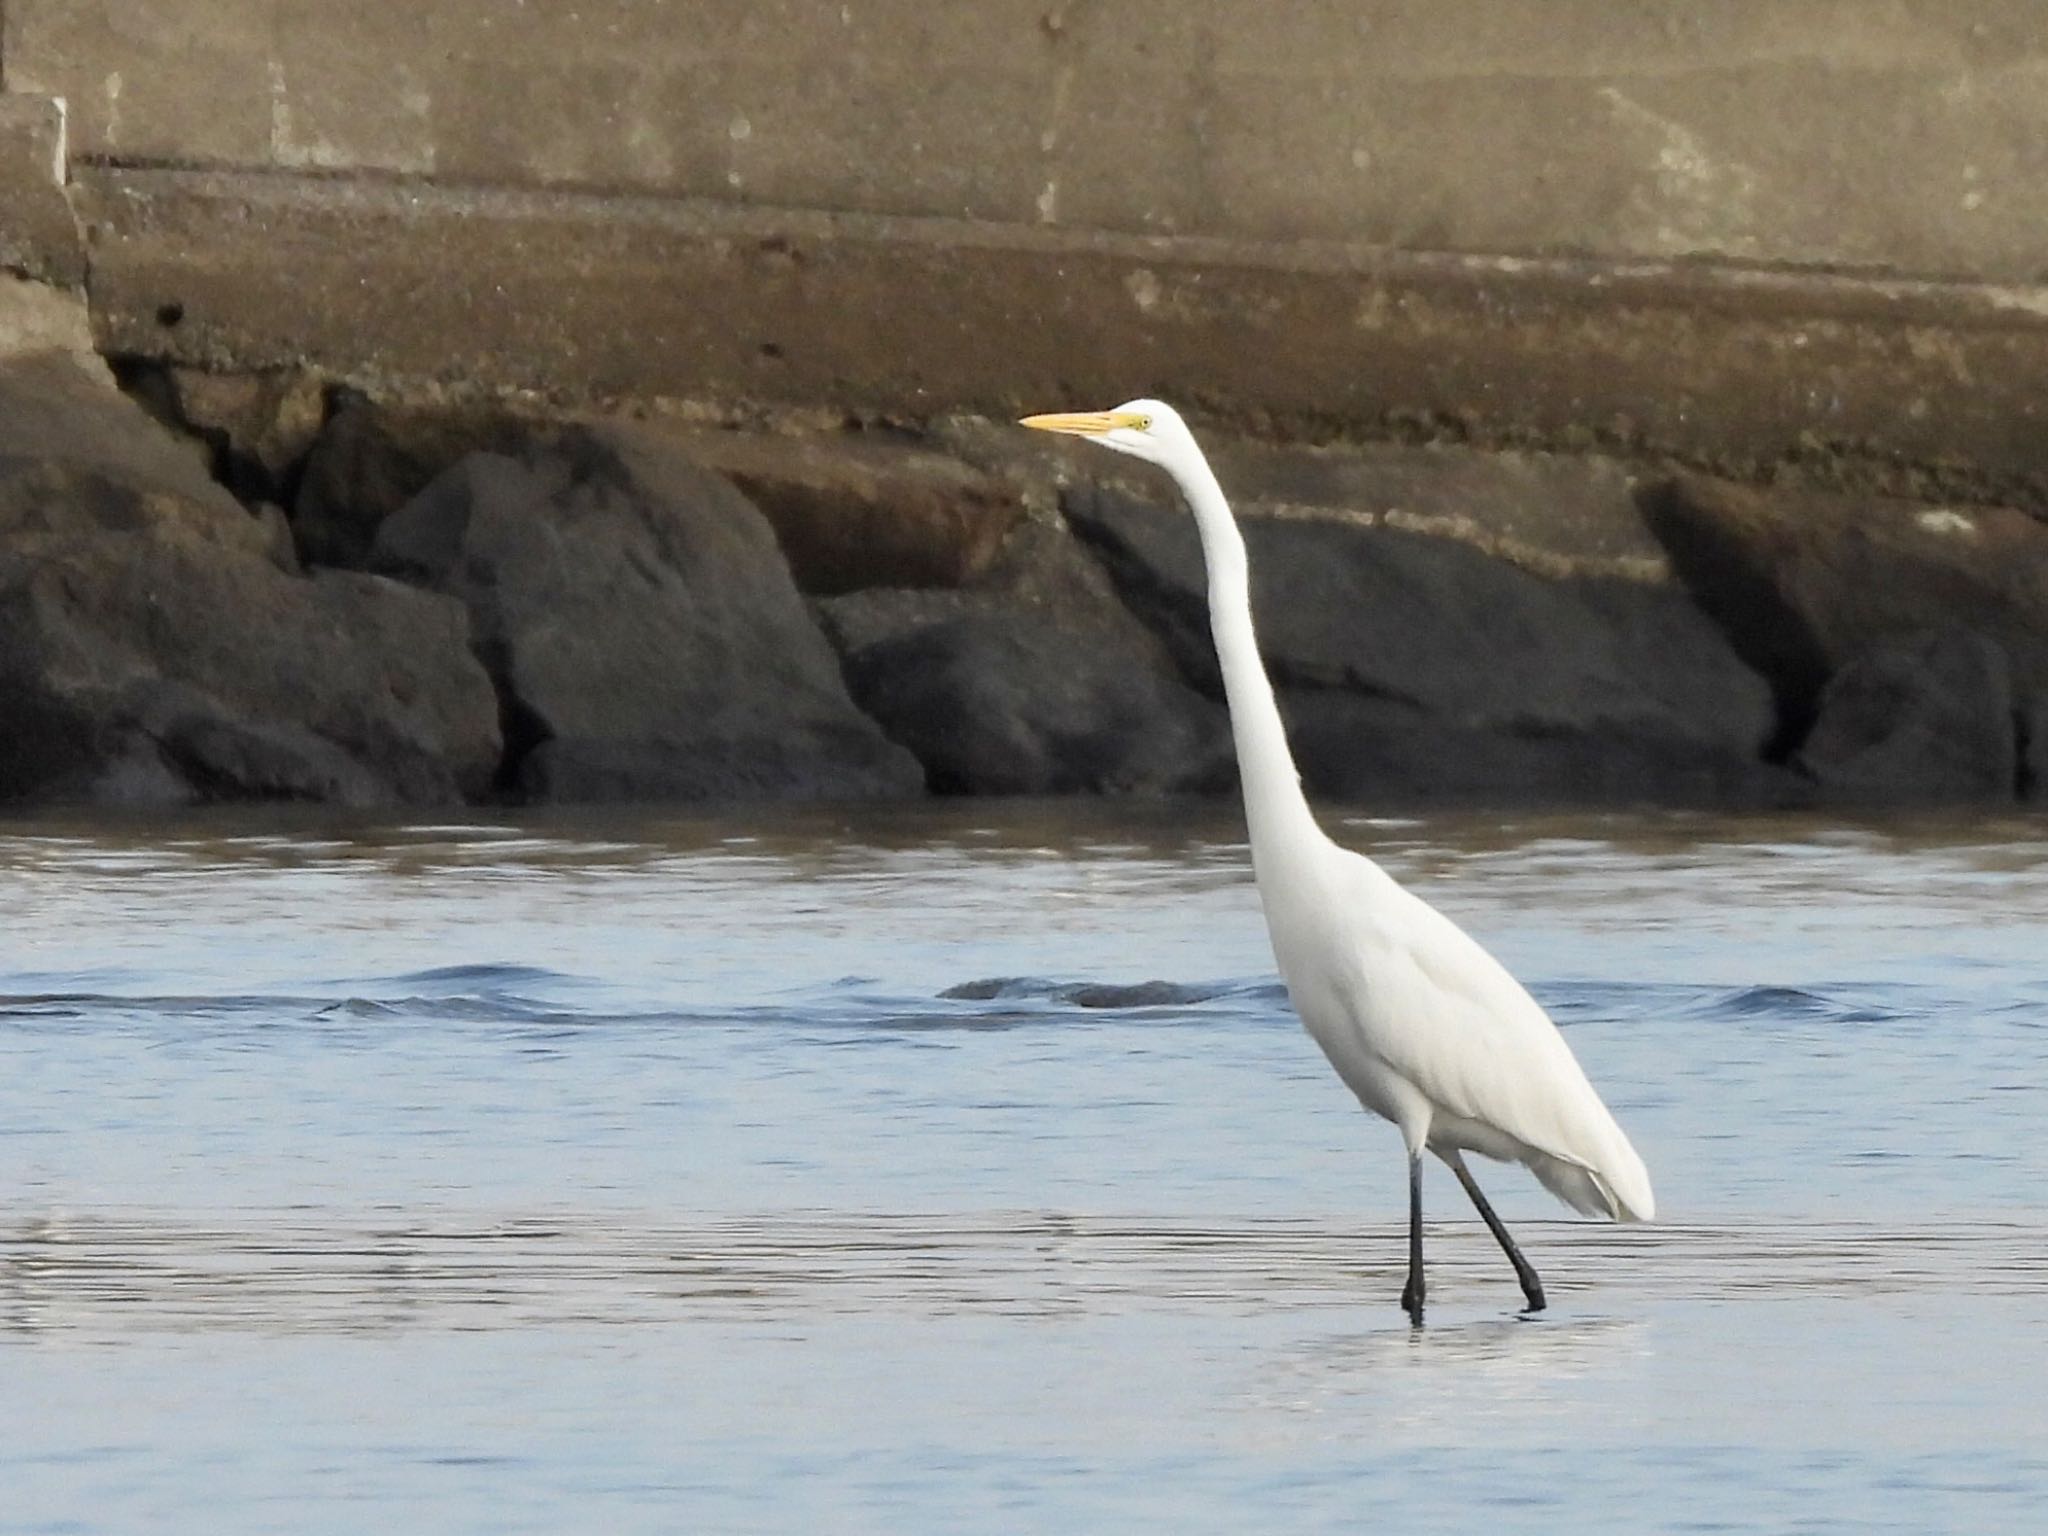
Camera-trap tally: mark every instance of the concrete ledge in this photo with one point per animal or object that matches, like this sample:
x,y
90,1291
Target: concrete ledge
x,y
586,299
38,236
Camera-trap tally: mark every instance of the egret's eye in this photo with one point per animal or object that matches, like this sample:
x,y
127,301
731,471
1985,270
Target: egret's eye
x,y
1144,423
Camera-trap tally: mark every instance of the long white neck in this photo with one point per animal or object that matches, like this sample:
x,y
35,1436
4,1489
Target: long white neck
x,y
1276,812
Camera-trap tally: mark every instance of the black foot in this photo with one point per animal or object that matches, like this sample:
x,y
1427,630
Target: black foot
x,y
1411,1300
1525,1272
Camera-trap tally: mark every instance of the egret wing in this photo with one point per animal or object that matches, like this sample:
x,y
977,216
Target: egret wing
x,y
1449,1019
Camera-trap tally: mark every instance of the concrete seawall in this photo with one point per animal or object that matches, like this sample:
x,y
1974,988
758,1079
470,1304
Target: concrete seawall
x,y
1733,235
1626,404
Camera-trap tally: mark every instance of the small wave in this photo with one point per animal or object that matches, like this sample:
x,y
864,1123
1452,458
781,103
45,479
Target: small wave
x,y
44,1005
321,1271
1769,1001
477,992
1082,994
481,974
1843,1006
1844,1003
1572,1001
359,1008
79,1005
265,1010
1111,995
525,999
504,1009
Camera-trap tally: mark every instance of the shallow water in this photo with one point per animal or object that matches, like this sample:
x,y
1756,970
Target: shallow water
x,y
964,1169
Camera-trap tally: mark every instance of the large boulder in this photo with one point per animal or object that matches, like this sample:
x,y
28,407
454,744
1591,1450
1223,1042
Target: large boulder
x,y
1035,680
1925,718
1414,664
2032,722
154,649
369,459
1394,755
641,626
1012,702
1803,583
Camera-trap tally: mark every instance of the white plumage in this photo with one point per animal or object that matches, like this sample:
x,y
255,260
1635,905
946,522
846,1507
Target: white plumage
x,y
1431,1032
1421,1023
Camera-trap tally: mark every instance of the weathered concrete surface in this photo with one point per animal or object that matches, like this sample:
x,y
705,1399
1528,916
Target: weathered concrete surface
x,y
1759,232
38,236
597,298
1909,135
851,513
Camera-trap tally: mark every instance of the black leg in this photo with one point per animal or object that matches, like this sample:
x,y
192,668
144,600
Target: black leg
x,y
1532,1288
1411,1296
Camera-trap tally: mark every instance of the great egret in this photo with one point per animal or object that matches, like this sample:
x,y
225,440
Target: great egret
x,y
1421,1023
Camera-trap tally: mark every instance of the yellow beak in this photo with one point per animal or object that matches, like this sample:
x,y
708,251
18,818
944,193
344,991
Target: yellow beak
x,y
1083,423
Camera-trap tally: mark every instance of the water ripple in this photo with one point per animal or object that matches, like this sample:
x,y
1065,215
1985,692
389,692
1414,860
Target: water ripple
x,y
112,1273
507,994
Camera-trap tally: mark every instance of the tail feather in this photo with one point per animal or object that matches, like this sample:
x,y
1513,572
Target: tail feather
x,y
1628,1182
1620,1191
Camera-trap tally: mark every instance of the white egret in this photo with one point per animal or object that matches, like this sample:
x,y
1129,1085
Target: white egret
x,y
1421,1023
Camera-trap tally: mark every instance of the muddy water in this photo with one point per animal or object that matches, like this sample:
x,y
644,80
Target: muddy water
x,y
964,1169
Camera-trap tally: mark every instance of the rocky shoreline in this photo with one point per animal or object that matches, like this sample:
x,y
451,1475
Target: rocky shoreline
x,y
260,586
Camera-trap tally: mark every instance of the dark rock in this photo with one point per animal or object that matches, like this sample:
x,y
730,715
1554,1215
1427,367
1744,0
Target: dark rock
x,y
1387,753
1803,584
642,627
261,426
151,649
1929,718
64,412
277,537
1009,701
851,513
1393,649
38,319
1041,568
1035,681
369,460
148,383
2031,727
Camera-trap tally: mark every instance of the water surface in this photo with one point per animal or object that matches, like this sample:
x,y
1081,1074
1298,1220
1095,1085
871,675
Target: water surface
x,y
965,1169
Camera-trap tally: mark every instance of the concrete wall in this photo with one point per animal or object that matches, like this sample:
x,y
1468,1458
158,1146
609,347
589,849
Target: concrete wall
x,y
1749,229
1908,135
